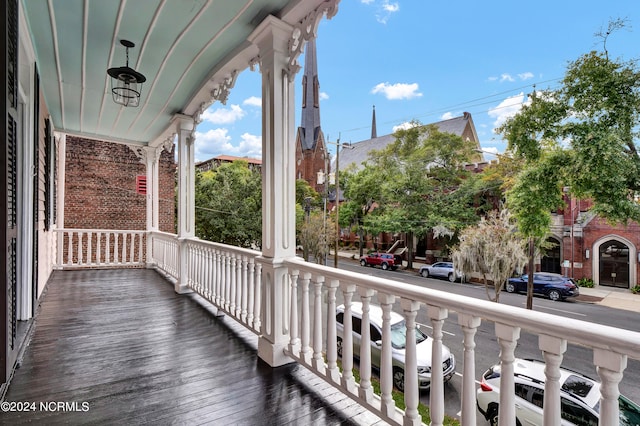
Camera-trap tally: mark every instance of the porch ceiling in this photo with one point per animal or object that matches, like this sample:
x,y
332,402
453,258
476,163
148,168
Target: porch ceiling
x,y
184,48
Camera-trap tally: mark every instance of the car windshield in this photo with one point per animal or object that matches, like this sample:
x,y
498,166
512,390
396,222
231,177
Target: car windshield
x,y
399,335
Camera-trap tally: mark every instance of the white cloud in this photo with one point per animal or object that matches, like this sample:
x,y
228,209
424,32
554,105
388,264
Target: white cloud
x,y
525,75
506,77
404,126
324,96
446,116
216,142
397,90
212,143
250,146
224,115
390,7
507,108
253,101
385,9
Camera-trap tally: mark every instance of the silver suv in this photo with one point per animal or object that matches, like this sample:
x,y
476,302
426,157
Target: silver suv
x,y
579,400
398,344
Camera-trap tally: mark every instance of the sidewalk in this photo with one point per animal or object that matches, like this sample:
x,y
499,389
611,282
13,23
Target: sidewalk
x,y
611,297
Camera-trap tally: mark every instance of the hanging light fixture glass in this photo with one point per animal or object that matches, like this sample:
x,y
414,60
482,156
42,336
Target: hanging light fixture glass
x,y
126,83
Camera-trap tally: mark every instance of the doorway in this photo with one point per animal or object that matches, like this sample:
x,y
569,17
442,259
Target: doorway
x,y
614,264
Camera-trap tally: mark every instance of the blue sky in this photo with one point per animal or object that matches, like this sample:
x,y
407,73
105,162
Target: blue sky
x,y
429,60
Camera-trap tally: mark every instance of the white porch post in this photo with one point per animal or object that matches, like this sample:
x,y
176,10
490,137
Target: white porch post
x,y
152,160
278,180
62,161
185,125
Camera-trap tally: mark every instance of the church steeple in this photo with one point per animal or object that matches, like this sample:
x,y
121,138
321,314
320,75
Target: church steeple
x,y
310,97
374,131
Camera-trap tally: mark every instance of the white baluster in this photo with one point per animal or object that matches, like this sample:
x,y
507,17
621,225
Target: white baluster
x,y
386,367
507,339
107,254
217,277
411,415
252,291
99,259
365,390
436,393
243,293
553,349
609,366
233,281
348,382
333,374
226,281
239,286
90,248
70,248
116,247
80,254
294,339
141,238
257,311
469,326
208,265
305,350
318,361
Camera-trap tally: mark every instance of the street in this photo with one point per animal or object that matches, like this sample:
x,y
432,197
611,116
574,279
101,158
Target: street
x,y
576,358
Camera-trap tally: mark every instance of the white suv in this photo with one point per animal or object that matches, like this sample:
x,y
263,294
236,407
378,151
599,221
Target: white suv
x,y
580,397
398,344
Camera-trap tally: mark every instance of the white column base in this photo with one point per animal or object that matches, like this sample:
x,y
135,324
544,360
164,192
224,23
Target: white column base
x,y
181,288
273,354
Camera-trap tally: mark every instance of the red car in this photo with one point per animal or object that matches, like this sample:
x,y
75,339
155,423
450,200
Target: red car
x,y
384,260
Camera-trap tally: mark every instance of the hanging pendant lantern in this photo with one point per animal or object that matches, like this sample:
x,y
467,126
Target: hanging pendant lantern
x,y
126,83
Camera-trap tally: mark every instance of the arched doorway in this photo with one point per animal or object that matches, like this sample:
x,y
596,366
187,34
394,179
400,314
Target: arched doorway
x,y
613,260
550,262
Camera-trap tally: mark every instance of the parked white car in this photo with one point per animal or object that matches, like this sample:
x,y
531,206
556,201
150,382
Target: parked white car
x,y
441,270
579,399
398,345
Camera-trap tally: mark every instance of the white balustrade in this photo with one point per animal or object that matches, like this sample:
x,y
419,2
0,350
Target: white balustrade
x,y
92,248
230,278
611,346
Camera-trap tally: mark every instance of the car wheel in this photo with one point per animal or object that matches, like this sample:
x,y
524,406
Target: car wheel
x,y
554,295
493,415
425,273
451,277
510,287
339,346
385,266
363,262
398,378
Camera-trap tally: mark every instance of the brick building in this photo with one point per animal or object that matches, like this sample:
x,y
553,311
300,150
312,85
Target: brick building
x,y
104,186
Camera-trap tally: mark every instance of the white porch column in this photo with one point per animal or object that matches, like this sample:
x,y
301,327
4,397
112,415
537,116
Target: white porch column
x,y
185,125
62,160
278,183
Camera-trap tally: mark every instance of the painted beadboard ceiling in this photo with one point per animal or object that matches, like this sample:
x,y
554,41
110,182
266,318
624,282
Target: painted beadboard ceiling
x,y
185,48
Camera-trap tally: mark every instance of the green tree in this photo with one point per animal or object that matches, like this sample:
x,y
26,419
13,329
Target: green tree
x,y
492,248
229,205
419,180
595,116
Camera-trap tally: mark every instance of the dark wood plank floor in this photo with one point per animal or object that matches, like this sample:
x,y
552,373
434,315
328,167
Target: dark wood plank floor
x,y
126,349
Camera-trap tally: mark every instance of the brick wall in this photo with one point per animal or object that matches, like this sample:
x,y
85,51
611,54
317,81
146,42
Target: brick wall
x,y
100,187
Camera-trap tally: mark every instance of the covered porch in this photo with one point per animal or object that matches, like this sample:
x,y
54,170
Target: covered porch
x,y
109,337
119,346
